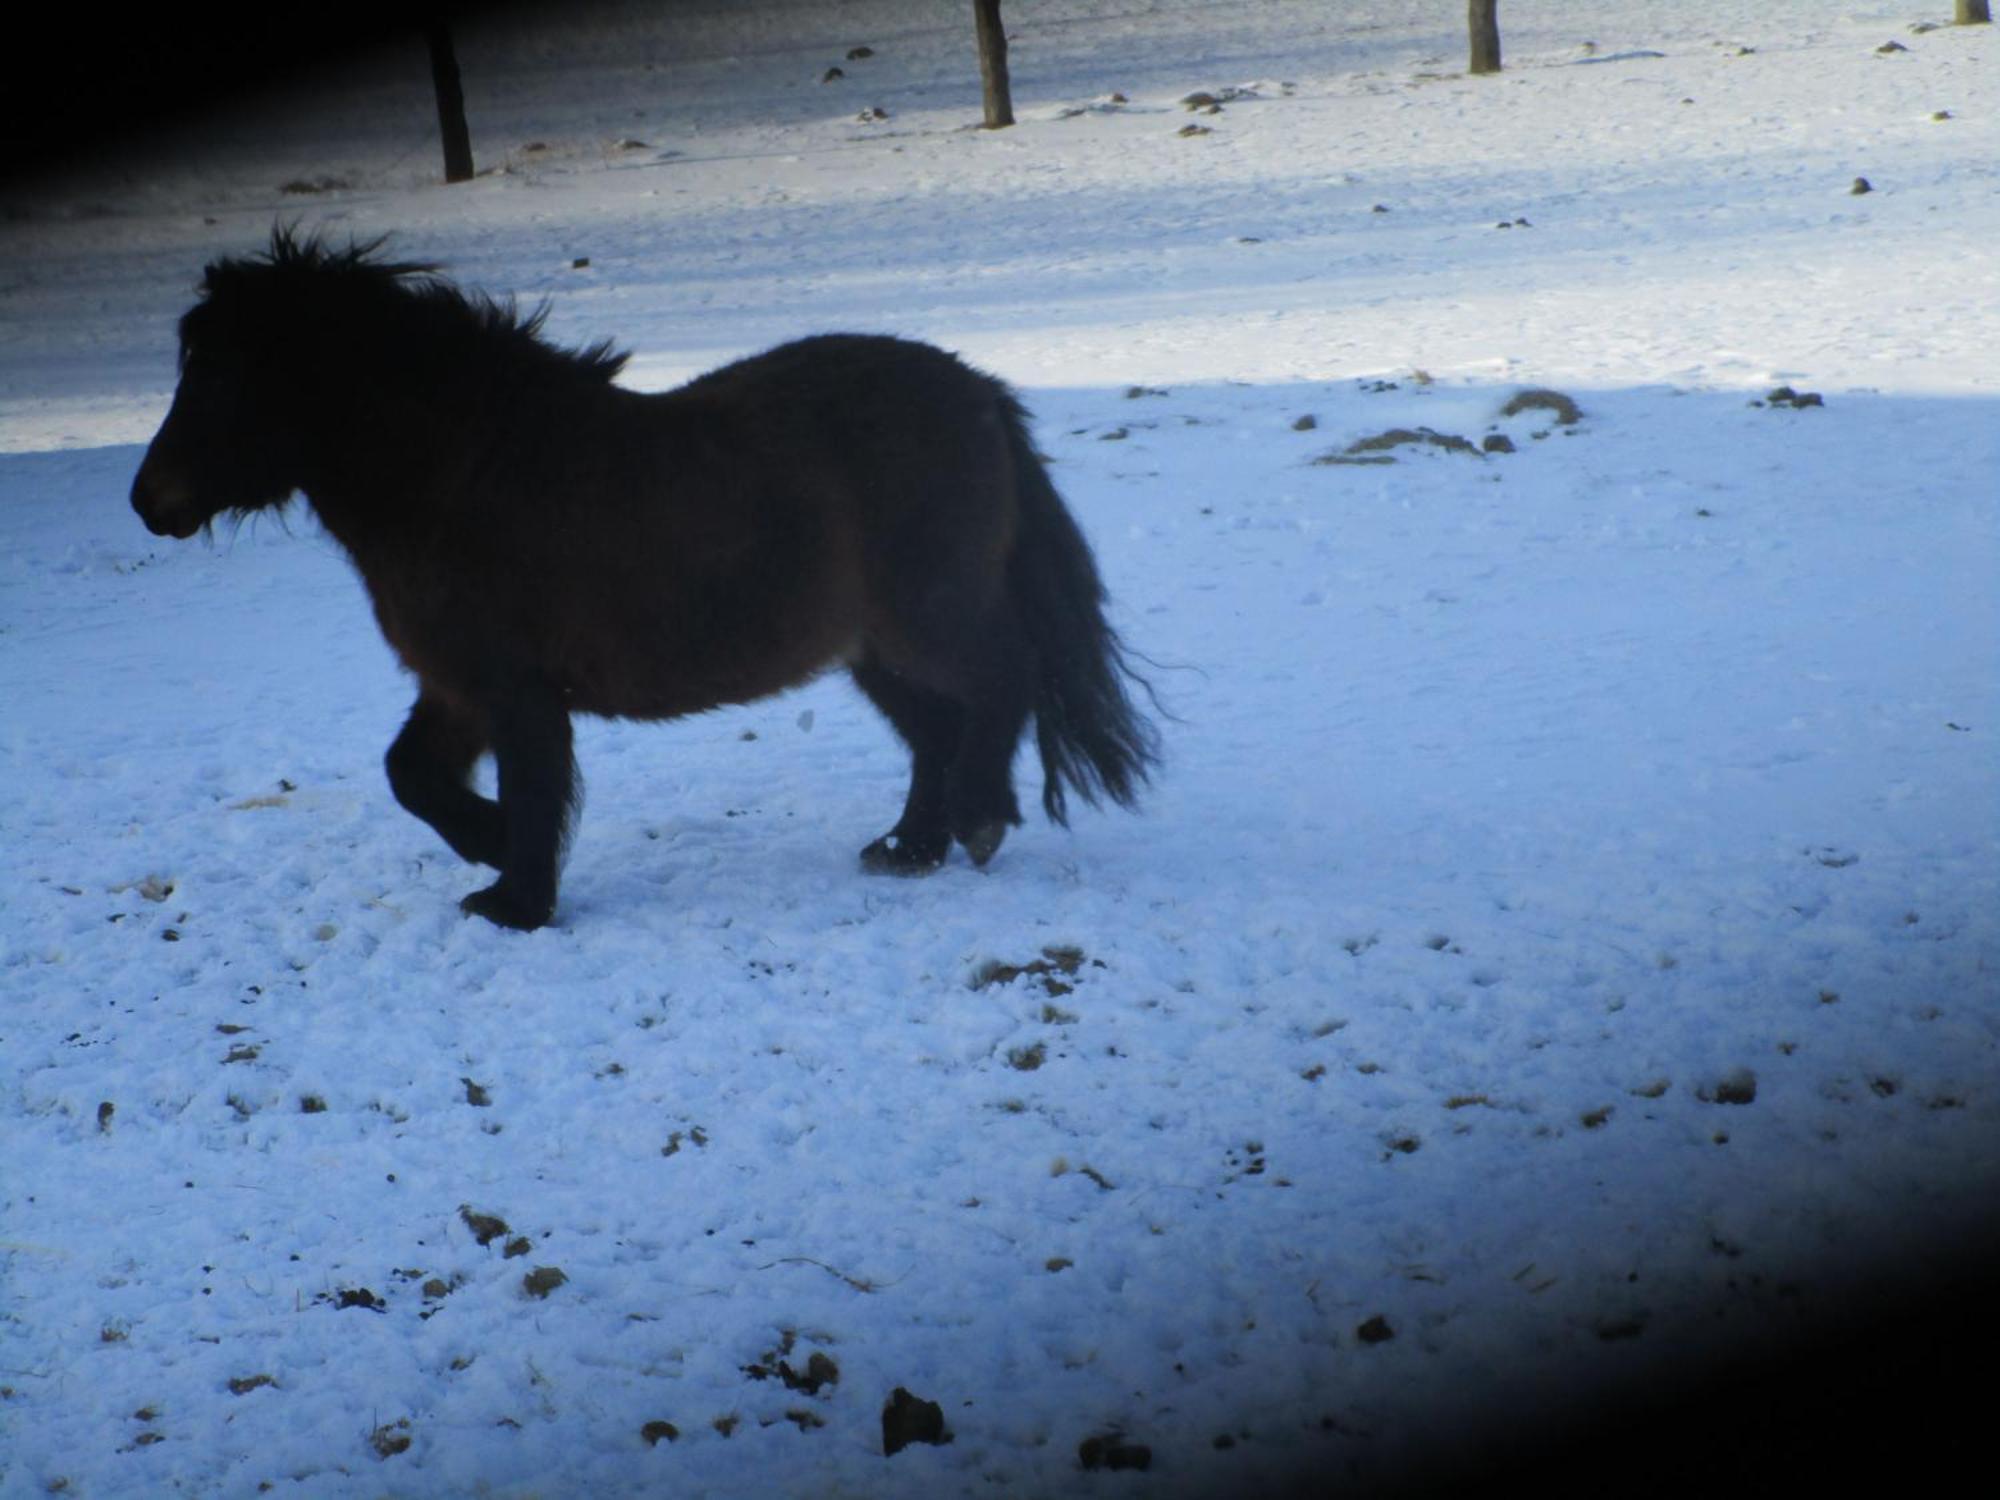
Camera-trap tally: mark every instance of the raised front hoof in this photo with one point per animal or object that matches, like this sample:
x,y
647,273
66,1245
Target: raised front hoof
x,y
983,842
506,908
904,854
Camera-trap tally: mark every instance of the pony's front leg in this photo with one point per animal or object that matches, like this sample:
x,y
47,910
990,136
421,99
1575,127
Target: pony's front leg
x,y
429,766
538,785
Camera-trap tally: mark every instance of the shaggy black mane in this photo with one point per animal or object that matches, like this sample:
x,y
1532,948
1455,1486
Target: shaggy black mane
x,y
357,277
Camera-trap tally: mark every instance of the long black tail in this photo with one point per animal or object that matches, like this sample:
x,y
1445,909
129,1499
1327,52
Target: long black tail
x,y
1093,740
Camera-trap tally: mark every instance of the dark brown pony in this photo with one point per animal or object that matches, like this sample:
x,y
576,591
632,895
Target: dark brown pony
x,y
539,542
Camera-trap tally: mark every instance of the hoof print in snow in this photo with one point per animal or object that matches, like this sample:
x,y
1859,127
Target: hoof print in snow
x,y
391,1438
820,1370
543,1280
1110,1451
1739,1086
1861,185
476,1094
871,114
1890,48
1375,1331
674,1139
244,1385
1305,423
1248,1161
1832,858
1027,1059
1058,963
832,75
1134,392
486,1228
1191,129
656,1433
860,54
908,1419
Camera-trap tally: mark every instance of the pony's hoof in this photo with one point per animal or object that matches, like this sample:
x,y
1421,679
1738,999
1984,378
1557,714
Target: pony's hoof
x,y
901,854
504,908
984,841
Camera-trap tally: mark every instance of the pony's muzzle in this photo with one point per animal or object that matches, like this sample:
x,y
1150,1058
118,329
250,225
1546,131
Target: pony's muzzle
x,y
166,507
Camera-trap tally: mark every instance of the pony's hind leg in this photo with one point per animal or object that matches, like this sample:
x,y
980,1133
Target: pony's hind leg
x,y
429,766
997,675
930,725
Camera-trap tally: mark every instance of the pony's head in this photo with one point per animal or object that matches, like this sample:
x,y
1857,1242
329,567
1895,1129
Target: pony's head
x,y
237,436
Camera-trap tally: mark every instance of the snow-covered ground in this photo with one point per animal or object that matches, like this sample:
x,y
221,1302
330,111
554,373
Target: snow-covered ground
x,y
1562,942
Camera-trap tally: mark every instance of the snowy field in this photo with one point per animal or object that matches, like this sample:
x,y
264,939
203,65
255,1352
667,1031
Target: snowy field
x,y
1561,945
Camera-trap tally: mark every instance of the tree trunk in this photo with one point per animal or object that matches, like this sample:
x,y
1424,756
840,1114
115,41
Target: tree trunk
x,y
993,64
1974,13
1482,17
451,101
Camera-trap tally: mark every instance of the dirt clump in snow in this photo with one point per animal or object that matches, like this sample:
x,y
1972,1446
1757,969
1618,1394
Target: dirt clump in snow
x,y
1566,412
908,1419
